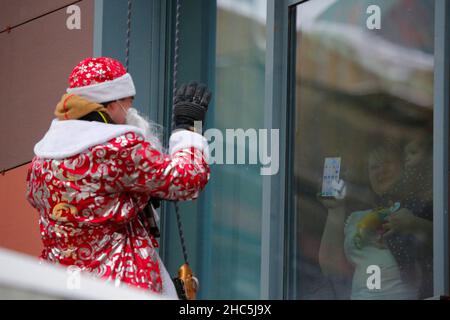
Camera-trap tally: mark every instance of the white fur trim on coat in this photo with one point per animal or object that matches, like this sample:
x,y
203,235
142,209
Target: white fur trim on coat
x,y
71,137
183,139
116,89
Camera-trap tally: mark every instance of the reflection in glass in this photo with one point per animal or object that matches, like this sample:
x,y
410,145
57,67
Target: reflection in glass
x,y
233,241
366,97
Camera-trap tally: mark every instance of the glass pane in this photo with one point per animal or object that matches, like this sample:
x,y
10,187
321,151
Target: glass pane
x,y
234,192
224,46
363,153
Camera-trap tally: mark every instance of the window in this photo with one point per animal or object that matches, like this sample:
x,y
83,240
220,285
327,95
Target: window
x,y
223,227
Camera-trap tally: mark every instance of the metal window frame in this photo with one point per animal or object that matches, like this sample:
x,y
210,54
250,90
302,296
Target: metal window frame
x,y
441,121
194,215
275,116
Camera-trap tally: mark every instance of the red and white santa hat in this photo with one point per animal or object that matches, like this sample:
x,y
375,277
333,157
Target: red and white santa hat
x,y
101,80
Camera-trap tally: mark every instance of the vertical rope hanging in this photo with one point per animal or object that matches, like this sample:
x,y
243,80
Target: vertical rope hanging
x,y
127,45
175,85
174,91
176,55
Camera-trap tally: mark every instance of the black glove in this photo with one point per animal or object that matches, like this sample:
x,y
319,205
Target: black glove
x,y
190,104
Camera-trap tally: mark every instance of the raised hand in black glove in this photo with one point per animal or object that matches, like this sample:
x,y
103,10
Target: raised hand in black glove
x,y
190,104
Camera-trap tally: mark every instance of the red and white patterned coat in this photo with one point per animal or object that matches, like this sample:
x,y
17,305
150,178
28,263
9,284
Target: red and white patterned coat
x,y
89,196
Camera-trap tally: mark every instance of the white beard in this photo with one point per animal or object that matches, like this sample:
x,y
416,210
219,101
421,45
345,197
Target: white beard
x,y
152,130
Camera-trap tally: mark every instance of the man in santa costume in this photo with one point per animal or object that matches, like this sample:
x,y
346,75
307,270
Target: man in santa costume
x,y
99,165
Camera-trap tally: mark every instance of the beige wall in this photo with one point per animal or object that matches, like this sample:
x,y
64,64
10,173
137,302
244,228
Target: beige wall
x,y
36,57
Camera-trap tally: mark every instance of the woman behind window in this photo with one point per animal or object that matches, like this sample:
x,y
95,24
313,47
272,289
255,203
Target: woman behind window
x,y
386,236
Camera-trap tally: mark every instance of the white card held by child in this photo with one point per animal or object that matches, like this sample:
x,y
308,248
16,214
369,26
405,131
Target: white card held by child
x,y
331,171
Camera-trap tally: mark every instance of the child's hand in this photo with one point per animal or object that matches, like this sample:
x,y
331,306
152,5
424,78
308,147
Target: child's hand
x,y
401,222
330,202
340,191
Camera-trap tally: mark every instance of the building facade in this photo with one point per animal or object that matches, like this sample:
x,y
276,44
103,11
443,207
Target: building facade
x,y
364,83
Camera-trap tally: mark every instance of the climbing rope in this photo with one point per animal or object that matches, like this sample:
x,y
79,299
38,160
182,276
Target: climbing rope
x,y
127,46
175,85
189,284
176,47
180,232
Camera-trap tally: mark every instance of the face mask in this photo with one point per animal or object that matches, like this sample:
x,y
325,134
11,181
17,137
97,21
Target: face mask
x,y
125,112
